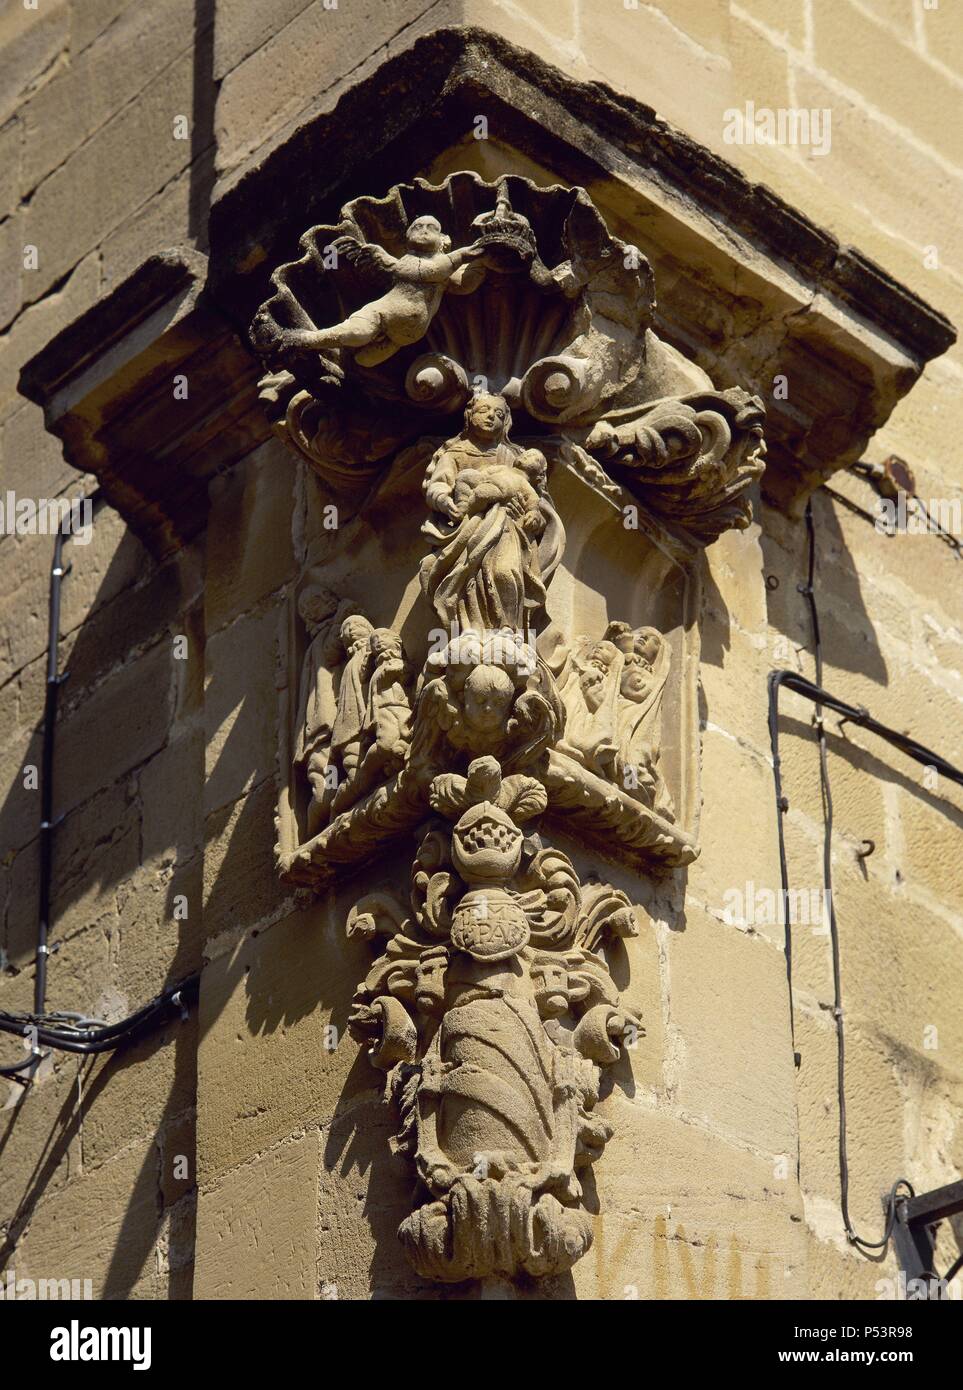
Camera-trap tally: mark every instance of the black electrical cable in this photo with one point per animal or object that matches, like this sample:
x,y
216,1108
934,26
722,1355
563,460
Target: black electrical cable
x,y
856,715
88,1039
51,1030
47,825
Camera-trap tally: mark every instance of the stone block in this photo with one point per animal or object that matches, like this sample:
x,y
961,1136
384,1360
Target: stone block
x,y
732,773
102,79
891,75
686,1215
33,463
240,878
241,29
34,40
137,1092
737,1075
689,87
257,1228
160,930
128,160
20,760
241,705
171,790
874,1124
36,325
39,1135
899,961
103,1226
275,1054
249,545
11,156
126,723
930,827
89,20
786,23
317,49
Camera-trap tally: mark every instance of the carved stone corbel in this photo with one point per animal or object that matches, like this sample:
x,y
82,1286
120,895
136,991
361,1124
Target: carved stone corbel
x,y
473,366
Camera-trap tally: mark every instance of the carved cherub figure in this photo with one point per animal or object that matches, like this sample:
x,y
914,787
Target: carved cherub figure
x,y
491,696
612,689
401,316
519,486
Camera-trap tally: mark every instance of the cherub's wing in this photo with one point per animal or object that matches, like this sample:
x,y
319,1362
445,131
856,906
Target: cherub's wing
x,y
367,258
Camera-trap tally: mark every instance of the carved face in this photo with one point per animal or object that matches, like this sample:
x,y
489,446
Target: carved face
x,y
355,630
639,665
486,845
316,604
533,465
487,418
425,235
488,698
594,672
385,643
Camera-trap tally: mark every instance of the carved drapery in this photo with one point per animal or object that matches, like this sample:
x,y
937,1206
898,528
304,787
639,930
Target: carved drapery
x,y
471,371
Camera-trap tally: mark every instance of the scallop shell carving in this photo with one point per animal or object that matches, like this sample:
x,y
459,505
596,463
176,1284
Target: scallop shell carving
x,y
557,325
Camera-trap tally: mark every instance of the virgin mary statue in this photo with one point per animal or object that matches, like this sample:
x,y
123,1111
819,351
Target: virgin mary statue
x,y
497,536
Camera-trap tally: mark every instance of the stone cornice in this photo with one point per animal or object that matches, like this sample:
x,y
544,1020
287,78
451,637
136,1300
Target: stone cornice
x,y
408,110
850,338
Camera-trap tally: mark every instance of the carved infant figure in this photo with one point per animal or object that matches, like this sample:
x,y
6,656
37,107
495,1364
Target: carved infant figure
x,y
401,316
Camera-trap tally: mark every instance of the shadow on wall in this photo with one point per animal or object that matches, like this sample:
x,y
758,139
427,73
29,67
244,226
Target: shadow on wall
x,y
134,1240
121,862
853,647
203,144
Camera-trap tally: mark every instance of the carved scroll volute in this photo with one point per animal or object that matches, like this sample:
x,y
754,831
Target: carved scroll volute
x,y
470,726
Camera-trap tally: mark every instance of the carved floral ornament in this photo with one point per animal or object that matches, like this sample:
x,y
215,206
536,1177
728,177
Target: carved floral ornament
x,y
477,347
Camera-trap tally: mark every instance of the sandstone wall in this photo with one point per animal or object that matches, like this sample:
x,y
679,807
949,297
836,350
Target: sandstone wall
x,y
297,1191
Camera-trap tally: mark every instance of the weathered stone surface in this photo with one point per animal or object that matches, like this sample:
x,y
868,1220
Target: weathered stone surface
x,y
240,880
687,1216
101,79
135,705
240,706
33,42
711,967
250,547
83,1233
45,1124
129,159
137,1093
274,1053
257,1228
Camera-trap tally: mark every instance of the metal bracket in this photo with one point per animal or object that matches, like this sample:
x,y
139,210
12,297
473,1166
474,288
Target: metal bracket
x,y
913,1236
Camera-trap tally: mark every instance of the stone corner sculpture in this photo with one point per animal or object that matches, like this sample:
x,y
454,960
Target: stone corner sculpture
x,y
483,349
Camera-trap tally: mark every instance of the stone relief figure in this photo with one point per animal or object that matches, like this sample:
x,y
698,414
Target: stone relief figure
x,y
612,691
400,316
354,720
349,723
488,496
324,616
485,693
386,732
